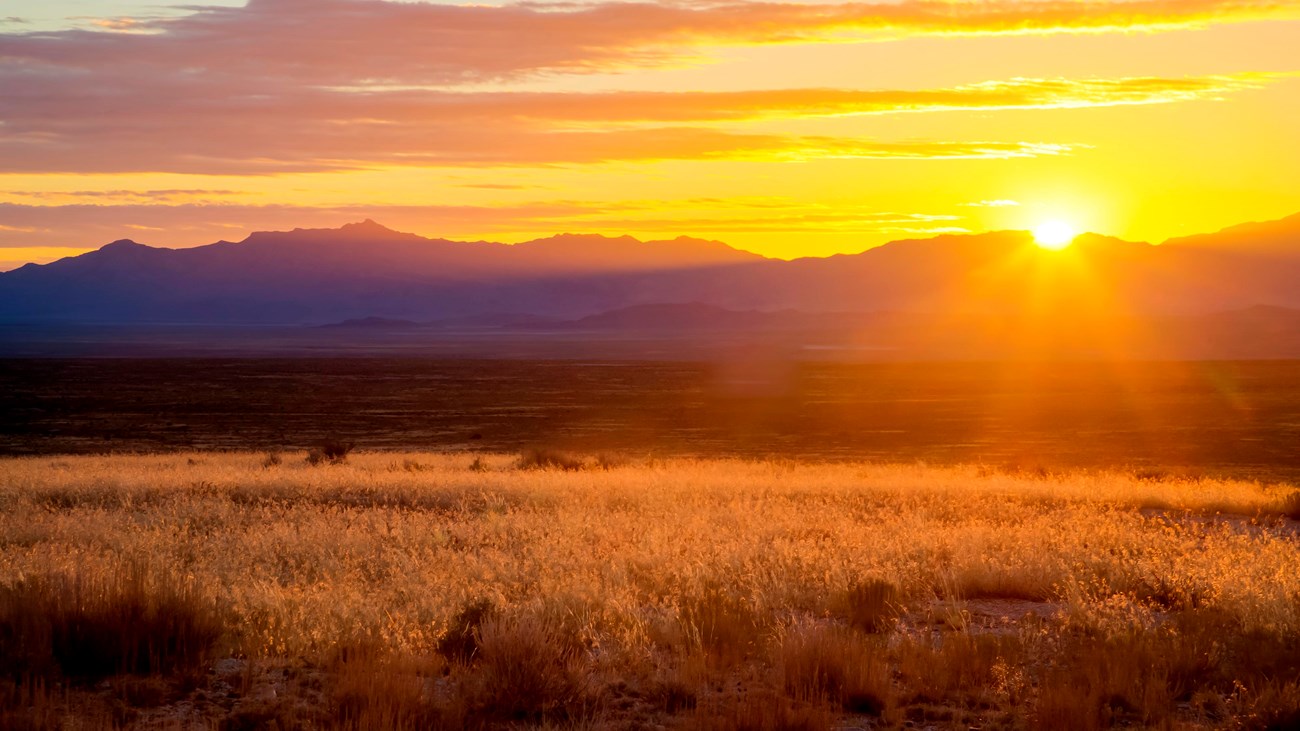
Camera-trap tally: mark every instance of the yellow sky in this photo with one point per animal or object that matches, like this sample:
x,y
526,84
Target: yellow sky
x,y
805,132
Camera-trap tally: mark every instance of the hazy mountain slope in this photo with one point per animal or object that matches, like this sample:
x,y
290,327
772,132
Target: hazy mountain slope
x,y
329,274
1280,237
365,270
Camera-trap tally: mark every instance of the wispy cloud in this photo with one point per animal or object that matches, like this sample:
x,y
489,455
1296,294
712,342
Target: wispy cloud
x,y
156,196
319,145
61,121
730,106
324,41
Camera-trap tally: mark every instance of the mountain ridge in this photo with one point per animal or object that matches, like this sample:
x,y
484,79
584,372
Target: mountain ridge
x,y
365,269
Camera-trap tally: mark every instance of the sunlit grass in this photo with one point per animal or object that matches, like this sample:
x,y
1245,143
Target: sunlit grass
x,y
566,589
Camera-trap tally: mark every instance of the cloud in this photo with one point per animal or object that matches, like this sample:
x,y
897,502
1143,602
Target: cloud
x,y
158,196
290,85
298,85
346,41
78,122
121,25
219,147
396,107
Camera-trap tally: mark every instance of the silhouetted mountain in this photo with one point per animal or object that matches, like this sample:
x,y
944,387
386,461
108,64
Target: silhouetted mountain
x,y
677,318
373,323
1280,237
359,270
364,270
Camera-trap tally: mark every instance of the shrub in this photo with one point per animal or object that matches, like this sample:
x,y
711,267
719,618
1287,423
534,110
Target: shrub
x,y
529,668
545,459
1290,505
606,461
461,642
271,459
873,605
334,451
411,465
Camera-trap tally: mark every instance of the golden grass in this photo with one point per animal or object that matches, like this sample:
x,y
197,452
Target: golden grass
x,y
435,590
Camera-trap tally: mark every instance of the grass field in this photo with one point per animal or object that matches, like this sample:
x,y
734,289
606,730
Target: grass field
x,y
432,590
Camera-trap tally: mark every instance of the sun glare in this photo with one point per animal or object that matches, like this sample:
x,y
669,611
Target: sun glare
x,y
1054,234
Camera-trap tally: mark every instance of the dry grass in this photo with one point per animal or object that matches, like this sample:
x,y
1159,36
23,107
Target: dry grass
x,y
458,591
820,662
84,628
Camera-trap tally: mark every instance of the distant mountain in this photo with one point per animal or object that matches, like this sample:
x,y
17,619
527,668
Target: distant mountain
x,y
327,275
1274,237
364,270
372,323
681,318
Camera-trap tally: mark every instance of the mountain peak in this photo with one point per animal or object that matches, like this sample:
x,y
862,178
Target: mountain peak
x,y
368,226
624,252
122,244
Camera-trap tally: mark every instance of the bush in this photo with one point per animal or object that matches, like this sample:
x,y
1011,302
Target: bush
x,y
873,605
545,459
1290,506
461,642
530,668
606,461
333,451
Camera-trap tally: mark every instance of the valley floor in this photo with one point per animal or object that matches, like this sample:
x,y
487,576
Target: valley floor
x,y
431,590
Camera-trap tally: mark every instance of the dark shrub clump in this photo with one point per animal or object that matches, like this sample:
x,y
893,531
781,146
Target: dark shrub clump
x,y
334,451
545,459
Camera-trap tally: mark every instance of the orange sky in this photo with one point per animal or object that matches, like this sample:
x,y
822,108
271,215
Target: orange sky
x,y
790,129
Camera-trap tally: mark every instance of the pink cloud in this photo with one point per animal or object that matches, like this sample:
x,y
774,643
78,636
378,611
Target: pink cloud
x,y
296,85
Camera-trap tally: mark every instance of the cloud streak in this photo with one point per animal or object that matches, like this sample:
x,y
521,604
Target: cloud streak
x,y
79,122
345,41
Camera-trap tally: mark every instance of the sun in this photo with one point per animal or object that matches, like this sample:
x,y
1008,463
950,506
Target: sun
x,y
1054,234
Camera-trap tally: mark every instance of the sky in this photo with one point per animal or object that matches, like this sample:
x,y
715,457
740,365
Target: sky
x,y
791,129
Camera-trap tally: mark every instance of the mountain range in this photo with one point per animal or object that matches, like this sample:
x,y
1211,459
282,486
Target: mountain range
x,y
364,270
